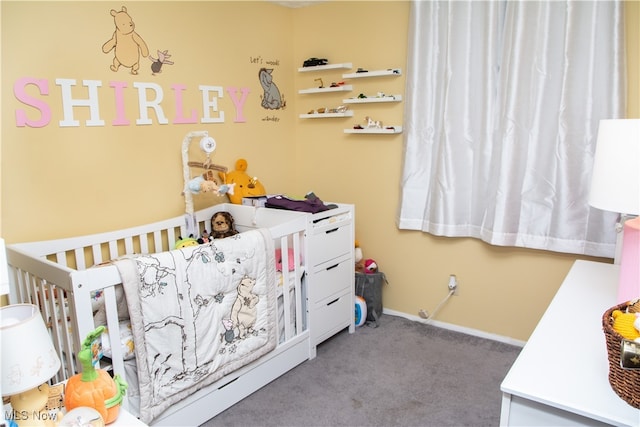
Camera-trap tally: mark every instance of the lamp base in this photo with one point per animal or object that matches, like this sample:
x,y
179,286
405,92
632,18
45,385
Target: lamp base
x,y
629,282
28,408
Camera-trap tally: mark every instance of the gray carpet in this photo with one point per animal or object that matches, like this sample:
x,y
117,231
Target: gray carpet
x,y
402,373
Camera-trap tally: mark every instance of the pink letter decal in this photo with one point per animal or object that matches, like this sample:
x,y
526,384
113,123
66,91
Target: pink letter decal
x,y
179,110
239,104
45,112
121,119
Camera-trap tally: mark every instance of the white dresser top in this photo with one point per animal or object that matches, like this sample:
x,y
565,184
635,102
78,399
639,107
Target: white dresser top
x,y
564,363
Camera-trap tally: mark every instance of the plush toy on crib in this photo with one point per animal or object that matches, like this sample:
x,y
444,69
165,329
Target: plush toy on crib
x,y
222,225
204,238
245,185
183,242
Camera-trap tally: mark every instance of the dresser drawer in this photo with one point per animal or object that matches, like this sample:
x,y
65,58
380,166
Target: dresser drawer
x,y
331,278
331,317
330,242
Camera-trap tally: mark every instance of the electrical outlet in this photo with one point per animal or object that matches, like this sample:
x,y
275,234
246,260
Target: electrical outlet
x,y
453,284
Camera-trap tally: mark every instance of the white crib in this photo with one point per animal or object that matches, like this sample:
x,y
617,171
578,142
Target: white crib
x,y
59,277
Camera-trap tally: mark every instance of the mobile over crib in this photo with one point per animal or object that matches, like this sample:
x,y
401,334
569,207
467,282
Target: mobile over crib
x,y
72,280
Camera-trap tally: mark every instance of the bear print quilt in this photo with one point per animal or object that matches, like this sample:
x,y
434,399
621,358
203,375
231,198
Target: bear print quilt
x,y
199,313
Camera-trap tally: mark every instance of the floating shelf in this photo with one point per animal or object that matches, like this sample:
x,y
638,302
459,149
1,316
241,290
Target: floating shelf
x,y
342,88
346,65
377,73
326,115
373,99
396,129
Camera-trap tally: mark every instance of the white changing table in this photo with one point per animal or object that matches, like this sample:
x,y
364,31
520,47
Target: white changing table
x,y
561,376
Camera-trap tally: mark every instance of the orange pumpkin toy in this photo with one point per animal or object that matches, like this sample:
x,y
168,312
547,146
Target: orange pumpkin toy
x,y
94,387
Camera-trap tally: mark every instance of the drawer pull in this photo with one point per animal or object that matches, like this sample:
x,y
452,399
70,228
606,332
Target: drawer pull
x,y
331,231
334,301
332,267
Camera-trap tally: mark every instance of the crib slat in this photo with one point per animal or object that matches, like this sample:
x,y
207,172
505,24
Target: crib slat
x,y
128,246
80,261
67,329
97,254
144,243
286,296
113,249
297,262
157,240
61,258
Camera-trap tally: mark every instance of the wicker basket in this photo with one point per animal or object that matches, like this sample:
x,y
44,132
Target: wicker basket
x,y
625,382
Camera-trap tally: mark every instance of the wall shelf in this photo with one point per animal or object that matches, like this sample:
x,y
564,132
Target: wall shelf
x,y
377,73
326,115
396,129
346,65
342,88
373,99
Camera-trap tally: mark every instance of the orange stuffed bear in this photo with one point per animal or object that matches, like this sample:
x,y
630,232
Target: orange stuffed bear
x,y
244,185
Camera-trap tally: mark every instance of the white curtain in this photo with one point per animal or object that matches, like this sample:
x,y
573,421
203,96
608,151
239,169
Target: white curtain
x,y
501,117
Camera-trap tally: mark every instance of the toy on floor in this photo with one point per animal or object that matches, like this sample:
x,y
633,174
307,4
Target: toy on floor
x,y
361,311
222,225
244,185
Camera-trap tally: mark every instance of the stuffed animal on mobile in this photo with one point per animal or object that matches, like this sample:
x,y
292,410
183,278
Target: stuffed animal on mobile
x,y
243,184
205,183
222,225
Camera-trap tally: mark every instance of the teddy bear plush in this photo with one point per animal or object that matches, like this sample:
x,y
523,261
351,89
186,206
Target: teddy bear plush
x,y
222,225
243,184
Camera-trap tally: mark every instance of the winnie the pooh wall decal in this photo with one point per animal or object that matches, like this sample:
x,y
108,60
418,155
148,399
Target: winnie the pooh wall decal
x,y
271,98
125,42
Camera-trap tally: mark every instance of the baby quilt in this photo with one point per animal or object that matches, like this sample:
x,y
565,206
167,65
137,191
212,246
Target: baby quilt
x,y
199,313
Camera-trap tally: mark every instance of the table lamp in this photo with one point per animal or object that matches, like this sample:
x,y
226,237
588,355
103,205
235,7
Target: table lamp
x,y
615,187
29,360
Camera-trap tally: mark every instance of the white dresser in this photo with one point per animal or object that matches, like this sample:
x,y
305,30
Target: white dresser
x,y
561,376
329,255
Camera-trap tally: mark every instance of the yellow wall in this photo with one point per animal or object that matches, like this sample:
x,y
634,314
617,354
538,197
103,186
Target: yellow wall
x,y
77,180
65,181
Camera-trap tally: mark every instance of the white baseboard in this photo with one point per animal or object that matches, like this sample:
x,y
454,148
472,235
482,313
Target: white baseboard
x,y
456,328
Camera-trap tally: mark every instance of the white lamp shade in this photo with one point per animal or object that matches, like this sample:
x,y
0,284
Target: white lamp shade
x,y
28,356
615,183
